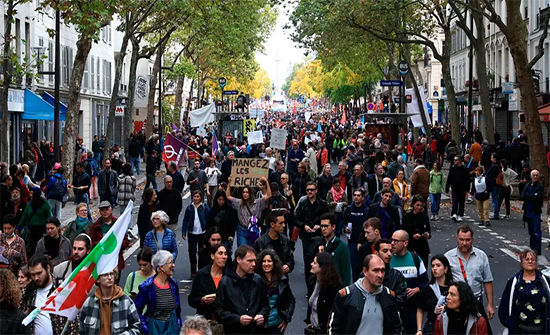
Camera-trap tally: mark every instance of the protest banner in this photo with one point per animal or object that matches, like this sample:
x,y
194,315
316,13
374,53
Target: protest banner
x,y
248,171
278,139
255,137
248,125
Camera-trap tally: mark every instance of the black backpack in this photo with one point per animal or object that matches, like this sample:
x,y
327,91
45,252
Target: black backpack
x,y
59,188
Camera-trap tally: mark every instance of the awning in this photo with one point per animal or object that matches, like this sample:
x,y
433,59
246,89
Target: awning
x,y
51,100
37,108
544,113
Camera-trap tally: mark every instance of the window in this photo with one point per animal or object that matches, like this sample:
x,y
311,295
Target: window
x,y
85,77
98,66
70,58
106,76
64,65
92,73
39,55
51,56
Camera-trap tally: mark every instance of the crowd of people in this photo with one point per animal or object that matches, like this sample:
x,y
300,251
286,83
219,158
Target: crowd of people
x,y
364,232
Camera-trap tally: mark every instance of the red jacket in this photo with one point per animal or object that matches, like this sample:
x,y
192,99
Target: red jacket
x,y
96,235
478,328
322,156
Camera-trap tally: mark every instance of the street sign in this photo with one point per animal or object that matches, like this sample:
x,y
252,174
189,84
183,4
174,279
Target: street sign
x,y
230,92
507,88
391,83
403,68
370,106
222,81
119,111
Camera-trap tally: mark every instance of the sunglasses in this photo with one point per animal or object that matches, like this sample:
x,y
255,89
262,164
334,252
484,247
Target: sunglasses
x,y
311,190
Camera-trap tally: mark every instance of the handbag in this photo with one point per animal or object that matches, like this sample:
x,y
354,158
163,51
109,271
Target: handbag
x,y
253,229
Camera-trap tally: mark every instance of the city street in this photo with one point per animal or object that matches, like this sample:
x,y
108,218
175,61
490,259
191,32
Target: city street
x,y
501,242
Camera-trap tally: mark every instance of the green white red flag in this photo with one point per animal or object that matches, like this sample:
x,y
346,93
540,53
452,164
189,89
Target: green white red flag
x,y
68,298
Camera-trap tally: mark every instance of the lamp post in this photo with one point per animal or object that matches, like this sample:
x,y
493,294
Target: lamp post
x,y
470,84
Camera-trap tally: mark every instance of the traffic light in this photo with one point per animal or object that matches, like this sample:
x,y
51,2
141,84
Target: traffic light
x,y
386,103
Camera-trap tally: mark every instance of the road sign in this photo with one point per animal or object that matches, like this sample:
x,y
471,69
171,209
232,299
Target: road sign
x,y
119,111
403,68
230,92
222,81
391,83
370,106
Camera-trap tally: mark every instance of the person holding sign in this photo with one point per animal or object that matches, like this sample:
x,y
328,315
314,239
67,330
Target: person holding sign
x,y
248,209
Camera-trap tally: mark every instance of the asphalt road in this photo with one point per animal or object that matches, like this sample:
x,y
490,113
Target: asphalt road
x,y
501,242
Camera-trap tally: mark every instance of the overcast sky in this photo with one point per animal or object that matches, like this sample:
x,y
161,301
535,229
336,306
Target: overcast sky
x,y
280,52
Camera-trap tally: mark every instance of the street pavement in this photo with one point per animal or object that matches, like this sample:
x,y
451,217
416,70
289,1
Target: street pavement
x,y
502,241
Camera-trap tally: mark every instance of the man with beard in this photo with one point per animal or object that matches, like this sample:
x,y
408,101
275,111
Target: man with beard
x,y
82,245
15,206
36,293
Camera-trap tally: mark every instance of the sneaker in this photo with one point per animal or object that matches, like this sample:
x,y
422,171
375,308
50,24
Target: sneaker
x,y
437,217
432,218
454,217
481,223
506,216
459,219
487,224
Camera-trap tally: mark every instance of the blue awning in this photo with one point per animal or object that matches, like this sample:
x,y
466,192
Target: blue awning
x,y
51,100
38,109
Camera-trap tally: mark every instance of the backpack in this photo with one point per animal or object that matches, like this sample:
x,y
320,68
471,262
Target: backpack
x,y
500,179
59,189
240,101
88,168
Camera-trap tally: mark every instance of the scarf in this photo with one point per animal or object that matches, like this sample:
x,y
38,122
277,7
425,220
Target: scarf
x,y
81,223
440,297
337,195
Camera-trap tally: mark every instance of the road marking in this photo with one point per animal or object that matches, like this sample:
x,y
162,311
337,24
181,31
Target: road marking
x,y
500,237
510,253
507,242
493,233
130,251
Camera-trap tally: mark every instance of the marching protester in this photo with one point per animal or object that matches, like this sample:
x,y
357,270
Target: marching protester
x,y
161,237
81,223
82,245
13,246
136,278
194,227
11,315
56,247
126,187
436,185
417,225
212,237
506,188
23,277
532,196
335,247
35,216
276,240
148,207
169,201
223,216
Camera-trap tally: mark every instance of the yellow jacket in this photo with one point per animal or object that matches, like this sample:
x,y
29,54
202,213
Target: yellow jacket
x,y
406,193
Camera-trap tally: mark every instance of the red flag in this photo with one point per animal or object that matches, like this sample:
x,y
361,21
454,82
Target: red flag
x,y
294,107
173,149
409,148
343,121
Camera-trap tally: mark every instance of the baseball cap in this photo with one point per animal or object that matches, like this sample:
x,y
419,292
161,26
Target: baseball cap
x,y
56,166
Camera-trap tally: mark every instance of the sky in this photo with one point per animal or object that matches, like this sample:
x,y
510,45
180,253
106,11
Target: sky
x,y
280,52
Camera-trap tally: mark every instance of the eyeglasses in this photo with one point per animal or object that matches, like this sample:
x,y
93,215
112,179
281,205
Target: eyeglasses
x,y
357,195
393,240
325,225
311,189
107,275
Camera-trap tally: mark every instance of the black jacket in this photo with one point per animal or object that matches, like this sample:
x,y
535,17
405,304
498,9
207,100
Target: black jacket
x,y
533,193
458,179
203,284
392,224
151,167
418,224
226,170
238,296
10,209
347,311
375,185
178,181
324,304
324,184
223,217
307,213
286,301
285,255
395,281
134,149
10,320
170,202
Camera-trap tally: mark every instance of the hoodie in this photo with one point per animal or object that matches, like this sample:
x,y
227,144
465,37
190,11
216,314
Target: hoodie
x,y
372,320
105,308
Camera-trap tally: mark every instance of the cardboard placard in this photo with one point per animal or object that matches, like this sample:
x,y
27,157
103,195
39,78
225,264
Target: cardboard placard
x,y
255,137
278,139
248,125
248,171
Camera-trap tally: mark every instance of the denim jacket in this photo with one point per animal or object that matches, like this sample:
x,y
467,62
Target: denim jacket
x,y
189,217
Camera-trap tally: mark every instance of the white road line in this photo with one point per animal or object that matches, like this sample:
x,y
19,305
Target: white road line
x,y
507,242
493,233
130,251
500,237
543,261
510,253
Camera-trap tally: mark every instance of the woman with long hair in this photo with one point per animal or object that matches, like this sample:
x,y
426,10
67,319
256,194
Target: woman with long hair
x,y
203,291
223,216
12,244
212,237
433,296
194,227
326,282
281,299
300,180
248,210
149,205
213,174
524,307
402,189
161,237
460,315
417,224
437,180
11,315
35,216
136,278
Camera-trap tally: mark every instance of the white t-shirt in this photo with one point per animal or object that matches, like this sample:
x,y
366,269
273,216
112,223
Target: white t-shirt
x,y
42,323
272,161
197,228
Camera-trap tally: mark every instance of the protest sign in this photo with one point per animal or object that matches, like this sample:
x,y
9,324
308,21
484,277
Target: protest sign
x,y
248,171
255,137
248,125
278,139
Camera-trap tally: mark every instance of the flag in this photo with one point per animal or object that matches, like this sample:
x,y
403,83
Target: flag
x,y
343,121
409,148
68,298
215,147
173,149
363,119
174,127
319,129
294,107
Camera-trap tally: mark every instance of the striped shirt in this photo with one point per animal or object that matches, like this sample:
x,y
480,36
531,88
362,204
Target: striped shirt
x,y
165,303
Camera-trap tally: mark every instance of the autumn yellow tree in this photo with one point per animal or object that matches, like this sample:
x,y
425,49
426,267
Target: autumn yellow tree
x,y
257,87
309,80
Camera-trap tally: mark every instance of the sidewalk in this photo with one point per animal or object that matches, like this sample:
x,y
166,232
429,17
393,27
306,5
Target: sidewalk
x,y
68,213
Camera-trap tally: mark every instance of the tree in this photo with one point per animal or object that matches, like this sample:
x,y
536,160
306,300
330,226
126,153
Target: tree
x,y
87,16
515,31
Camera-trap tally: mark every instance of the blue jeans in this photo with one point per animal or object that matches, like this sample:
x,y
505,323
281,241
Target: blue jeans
x,y
111,199
494,199
353,259
97,158
134,161
242,236
535,234
56,206
435,203
151,180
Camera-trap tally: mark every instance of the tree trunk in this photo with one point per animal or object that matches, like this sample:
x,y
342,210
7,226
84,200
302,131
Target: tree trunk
x,y
152,92
487,126
516,38
199,90
426,124
7,72
83,47
178,103
451,98
188,107
119,60
128,118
